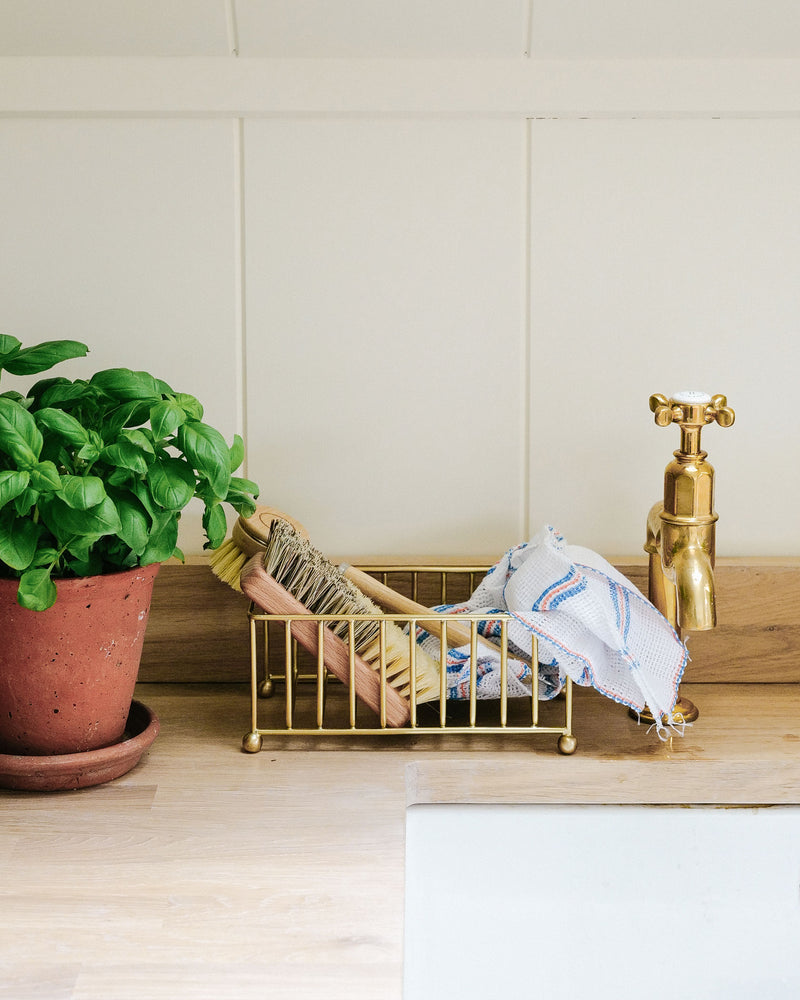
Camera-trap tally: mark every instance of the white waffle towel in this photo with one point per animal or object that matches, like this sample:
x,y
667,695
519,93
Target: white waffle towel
x,y
592,624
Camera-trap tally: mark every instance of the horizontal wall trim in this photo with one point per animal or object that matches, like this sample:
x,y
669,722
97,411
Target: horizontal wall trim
x,y
198,628
527,88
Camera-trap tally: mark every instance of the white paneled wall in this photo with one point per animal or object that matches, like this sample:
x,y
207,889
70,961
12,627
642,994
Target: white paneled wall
x,y
352,28
113,28
438,323
386,389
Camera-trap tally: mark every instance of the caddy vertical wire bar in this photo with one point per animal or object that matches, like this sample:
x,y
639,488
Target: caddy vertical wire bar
x,y
382,668
254,673
503,673
267,685
289,674
473,672
443,676
412,664
320,676
351,650
568,706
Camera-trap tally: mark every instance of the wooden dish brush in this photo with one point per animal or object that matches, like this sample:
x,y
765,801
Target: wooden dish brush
x,y
249,538
290,576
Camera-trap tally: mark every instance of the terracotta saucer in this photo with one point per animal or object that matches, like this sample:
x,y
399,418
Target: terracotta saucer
x,y
80,770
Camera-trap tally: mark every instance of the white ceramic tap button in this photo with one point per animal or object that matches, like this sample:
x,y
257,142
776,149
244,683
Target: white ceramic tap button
x,y
692,397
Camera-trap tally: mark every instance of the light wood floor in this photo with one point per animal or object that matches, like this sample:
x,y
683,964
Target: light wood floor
x,y
209,874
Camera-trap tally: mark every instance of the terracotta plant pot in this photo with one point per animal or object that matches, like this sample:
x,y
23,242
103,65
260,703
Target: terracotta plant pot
x,y
67,674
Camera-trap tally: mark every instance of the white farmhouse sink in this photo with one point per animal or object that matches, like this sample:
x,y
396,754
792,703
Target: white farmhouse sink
x,y
616,902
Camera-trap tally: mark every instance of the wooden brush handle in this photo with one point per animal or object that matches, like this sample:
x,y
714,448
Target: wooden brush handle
x,y
269,595
458,634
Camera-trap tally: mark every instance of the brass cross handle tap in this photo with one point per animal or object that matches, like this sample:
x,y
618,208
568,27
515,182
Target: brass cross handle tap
x,y
681,528
691,411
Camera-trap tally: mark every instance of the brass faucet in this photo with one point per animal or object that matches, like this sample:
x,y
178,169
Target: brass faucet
x,y
681,529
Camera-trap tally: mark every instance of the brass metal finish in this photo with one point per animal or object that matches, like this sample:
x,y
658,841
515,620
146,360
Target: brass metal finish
x,y
331,708
681,528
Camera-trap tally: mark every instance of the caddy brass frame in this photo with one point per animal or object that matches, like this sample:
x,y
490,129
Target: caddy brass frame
x,y
307,685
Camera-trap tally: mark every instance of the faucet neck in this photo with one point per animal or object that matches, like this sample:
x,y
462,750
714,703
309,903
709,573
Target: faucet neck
x,y
690,459
690,442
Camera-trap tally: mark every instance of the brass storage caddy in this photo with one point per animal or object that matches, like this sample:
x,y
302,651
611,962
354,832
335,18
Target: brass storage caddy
x,y
317,704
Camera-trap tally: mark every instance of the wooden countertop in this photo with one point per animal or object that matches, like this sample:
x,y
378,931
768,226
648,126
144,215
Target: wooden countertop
x,y
209,873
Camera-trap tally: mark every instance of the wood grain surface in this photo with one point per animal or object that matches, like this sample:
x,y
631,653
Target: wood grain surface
x,y
198,626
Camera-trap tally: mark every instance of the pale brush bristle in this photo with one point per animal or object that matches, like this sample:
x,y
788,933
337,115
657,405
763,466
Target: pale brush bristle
x,y
227,563
324,590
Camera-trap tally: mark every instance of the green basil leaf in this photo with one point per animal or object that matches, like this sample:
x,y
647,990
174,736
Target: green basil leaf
x,y
45,556
166,417
215,525
20,438
65,522
82,492
31,360
45,477
126,456
191,406
142,493
243,504
63,424
244,486
81,549
37,591
135,524
60,392
90,452
120,477
130,413
9,347
18,539
122,383
162,541
171,482
139,439
236,452
26,501
105,519
206,449
93,565
12,484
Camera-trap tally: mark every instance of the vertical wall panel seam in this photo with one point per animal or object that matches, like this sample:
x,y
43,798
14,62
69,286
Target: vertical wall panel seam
x,y
240,332
527,359
232,27
527,37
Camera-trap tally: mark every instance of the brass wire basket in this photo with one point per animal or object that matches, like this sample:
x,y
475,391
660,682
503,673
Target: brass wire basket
x,y
316,703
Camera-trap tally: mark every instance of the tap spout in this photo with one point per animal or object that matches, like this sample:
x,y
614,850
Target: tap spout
x,y
693,573
681,572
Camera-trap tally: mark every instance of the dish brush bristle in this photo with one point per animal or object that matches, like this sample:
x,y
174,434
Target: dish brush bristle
x,y
227,563
324,590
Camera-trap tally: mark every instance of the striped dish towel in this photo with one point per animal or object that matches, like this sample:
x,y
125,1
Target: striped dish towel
x,y
592,624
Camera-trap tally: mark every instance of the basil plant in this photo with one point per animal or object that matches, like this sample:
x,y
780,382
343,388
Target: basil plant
x,y
94,473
